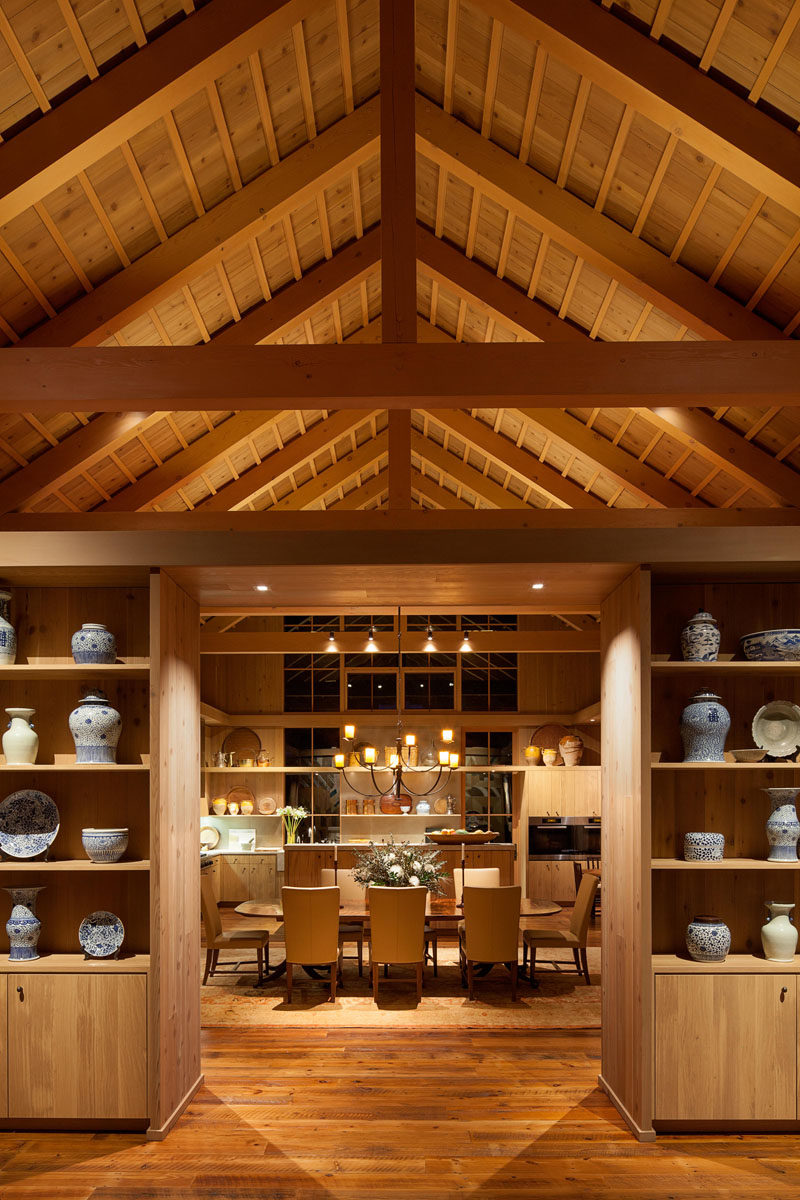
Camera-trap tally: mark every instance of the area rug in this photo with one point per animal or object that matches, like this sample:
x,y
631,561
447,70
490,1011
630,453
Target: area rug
x,y
561,1001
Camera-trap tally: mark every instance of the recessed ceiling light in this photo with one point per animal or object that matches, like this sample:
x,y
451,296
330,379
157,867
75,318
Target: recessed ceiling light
x,y
262,587
537,587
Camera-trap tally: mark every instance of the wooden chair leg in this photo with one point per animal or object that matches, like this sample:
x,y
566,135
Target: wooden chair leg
x,y
419,981
209,962
340,967
532,975
289,980
385,970
585,961
260,961
436,956
375,976
514,970
576,956
524,954
214,960
360,952
334,977
471,978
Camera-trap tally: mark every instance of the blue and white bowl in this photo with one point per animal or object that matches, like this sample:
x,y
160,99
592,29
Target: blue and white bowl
x,y
29,823
708,939
105,845
703,847
101,934
772,645
94,644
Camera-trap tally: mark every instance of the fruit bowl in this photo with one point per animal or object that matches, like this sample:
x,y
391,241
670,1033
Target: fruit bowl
x,y
458,837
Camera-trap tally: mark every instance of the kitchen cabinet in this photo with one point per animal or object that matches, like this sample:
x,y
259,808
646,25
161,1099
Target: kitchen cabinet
x,y
77,1046
246,877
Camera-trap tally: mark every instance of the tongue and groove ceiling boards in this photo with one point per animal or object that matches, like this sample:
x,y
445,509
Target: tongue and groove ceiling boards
x,y
175,173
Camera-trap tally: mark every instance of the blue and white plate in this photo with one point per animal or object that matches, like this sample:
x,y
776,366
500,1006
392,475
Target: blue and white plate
x,y
101,934
772,645
29,823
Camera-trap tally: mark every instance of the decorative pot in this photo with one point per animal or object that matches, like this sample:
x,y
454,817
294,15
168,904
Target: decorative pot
x,y
20,740
708,939
94,644
783,827
105,845
533,755
549,757
779,936
247,807
95,727
703,847
8,635
219,806
233,808
700,639
23,926
571,749
423,808
704,726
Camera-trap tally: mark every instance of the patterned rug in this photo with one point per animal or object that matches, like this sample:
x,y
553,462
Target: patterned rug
x,y
561,1001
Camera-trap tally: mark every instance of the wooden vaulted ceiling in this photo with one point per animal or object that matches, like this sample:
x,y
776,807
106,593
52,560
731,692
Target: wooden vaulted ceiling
x,y
176,173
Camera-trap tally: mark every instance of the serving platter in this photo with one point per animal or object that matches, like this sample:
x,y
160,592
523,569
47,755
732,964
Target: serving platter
x,y
101,934
772,645
209,836
29,823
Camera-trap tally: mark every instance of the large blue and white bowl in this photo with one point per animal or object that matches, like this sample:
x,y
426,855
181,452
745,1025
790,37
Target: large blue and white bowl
x,y
105,845
772,645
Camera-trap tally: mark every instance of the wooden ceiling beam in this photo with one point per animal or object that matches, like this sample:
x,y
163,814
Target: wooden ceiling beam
x,y
491,296
521,462
369,491
590,235
547,641
249,485
711,118
135,93
522,375
334,476
461,472
202,244
423,485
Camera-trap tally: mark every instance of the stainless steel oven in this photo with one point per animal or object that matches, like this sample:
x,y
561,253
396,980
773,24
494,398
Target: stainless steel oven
x,y
555,839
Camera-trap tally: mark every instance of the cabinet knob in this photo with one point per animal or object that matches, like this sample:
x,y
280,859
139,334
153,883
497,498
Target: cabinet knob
x,y
784,993
20,992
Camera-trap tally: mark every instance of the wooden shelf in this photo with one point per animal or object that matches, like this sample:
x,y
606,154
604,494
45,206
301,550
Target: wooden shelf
x,y
24,767
727,864
734,964
74,964
71,670
74,864
745,667
398,816
724,766
247,816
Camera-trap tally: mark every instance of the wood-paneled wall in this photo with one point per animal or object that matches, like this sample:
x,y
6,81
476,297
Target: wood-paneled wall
x,y
627,984
174,1028
245,683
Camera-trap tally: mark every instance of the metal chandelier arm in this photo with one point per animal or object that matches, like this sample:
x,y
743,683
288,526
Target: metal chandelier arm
x,y
436,783
357,790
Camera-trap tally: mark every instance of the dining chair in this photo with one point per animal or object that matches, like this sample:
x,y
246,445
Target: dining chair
x,y
489,932
588,864
397,919
311,931
473,877
573,938
352,893
233,939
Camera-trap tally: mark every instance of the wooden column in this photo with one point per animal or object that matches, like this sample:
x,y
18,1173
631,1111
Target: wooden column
x,y
398,217
627,982
174,999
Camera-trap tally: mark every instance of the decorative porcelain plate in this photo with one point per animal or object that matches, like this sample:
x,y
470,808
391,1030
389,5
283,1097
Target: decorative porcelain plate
x,y
209,836
776,728
266,806
440,806
29,823
101,934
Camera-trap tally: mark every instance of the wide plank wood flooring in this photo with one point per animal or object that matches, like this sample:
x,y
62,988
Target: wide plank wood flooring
x,y
371,1115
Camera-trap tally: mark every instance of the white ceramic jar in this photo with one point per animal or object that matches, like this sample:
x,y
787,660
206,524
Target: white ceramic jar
x,y
20,740
778,935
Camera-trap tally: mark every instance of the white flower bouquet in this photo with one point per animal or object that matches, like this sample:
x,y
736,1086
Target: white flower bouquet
x,y
400,865
291,819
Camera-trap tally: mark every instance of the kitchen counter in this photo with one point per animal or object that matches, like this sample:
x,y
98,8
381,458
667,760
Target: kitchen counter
x,y
305,860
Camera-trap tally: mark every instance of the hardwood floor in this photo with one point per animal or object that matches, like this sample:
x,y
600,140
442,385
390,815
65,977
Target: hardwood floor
x,y
360,1115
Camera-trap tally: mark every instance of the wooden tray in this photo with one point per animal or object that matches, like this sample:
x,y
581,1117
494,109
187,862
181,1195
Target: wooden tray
x,y
478,838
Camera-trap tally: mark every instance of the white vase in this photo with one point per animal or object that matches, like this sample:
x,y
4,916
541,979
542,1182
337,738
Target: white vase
x,y
20,740
779,936
8,635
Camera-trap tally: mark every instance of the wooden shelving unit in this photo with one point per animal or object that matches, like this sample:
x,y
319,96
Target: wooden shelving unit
x,y
70,964
70,864
727,864
75,671
735,964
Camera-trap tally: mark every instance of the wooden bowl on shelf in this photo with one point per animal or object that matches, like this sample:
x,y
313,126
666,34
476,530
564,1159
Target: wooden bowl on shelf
x,y
455,837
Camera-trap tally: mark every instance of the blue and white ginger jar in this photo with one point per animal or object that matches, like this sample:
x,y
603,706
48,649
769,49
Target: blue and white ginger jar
x,y
704,726
23,926
94,644
700,639
708,939
8,635
783,827
95,727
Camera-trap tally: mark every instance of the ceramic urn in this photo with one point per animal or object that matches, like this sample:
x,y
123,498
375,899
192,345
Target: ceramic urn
x,y
704,726
95,727
700,639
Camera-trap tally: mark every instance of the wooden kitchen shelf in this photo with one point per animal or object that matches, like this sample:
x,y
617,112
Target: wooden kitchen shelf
x,y
727,864
77,671
60,964
73,864
734,964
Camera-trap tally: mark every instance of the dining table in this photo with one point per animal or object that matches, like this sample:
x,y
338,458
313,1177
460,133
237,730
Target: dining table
x,y
440,910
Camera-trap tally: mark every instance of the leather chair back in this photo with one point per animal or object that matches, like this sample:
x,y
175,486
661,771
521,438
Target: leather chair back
x,y
351,892
475,877
581,913
491,918
397,920
311,924
212,925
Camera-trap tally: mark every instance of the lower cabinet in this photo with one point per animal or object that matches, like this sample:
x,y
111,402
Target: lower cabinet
x,y
726,1047
77,1046
246,877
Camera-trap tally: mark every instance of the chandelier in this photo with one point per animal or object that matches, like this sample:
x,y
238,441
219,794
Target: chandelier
x,y
399,763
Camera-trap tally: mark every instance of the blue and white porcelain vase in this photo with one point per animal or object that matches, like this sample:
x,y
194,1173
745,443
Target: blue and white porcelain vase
x,y
20,740
23,926
704,726
700,639
783,827
8,635
94,644
708,939
95,727
779,935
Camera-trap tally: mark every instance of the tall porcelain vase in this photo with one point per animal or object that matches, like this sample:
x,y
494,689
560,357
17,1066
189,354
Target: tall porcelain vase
x,y
8,635
783,827
23,926
779,936
20,740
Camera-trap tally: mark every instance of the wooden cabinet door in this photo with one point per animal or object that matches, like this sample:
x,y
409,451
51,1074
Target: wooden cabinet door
x,y
262,877
77,1046
3,1050
725,1047
234,883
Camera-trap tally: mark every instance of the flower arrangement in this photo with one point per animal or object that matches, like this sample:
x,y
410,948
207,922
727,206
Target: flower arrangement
x,y
400,865
291,819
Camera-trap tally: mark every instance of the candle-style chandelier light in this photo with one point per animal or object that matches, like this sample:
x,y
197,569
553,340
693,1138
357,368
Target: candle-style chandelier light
x,y
399,760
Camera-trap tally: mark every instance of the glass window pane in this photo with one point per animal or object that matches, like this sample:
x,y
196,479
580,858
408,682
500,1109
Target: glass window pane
x,y
501,825
476,749
384,691
501,746
475,793
326,793
500,794
297,747
359,691
442,690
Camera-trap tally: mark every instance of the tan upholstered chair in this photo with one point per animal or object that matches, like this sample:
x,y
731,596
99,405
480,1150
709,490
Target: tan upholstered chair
x,y
573,938
578,868
235,939
489,932
351,893
311,931
397,917
473,877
